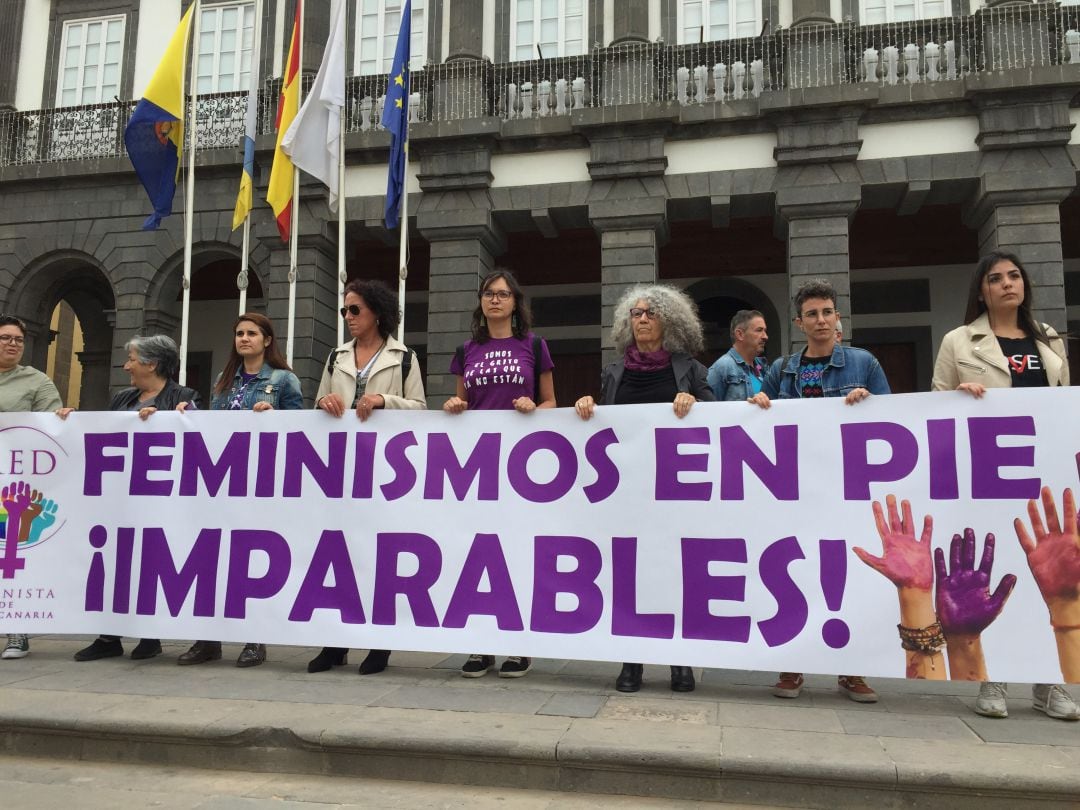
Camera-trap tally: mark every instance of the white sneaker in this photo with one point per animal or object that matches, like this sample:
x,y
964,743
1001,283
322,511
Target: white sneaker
x,y
991,699
1053,701
18,646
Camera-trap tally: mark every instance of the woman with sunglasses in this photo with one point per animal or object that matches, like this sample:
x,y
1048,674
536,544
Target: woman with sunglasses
x,y
256,378
374,370
505,366
658,332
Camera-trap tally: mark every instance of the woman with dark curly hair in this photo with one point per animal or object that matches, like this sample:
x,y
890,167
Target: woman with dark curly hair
x,y
372,371
657,332
504,366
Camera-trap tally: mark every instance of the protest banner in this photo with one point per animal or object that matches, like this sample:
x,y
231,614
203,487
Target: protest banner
x,y
724,539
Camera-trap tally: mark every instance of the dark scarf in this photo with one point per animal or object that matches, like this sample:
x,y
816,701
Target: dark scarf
x,y
636,360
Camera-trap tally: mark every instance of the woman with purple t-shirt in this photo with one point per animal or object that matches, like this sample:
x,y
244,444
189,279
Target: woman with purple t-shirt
x,y
504,366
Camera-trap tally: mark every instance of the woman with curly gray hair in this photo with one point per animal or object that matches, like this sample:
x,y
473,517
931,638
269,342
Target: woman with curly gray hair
x,y
657,332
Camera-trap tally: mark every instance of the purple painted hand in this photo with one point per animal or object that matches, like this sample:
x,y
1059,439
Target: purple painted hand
x,y
965,605
905,559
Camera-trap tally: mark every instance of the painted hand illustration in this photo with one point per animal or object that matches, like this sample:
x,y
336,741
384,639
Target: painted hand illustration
x,y
16,500
44,520
1053,554
965,605
905,559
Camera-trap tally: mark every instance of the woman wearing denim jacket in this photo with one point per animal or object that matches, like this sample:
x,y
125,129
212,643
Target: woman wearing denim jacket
x,y
256,378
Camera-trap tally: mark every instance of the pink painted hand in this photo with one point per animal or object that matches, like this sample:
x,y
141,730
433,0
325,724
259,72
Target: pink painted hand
x,y
965,605
905,559
1053,555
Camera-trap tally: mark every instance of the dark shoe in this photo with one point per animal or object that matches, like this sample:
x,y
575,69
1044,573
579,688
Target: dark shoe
x,y
200,653
252,655
328,657
629,679
682,679
477,666
146,648
100,648
375,662
515,666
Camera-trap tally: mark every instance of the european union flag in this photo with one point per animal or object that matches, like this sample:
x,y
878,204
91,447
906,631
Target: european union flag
x,y
395,119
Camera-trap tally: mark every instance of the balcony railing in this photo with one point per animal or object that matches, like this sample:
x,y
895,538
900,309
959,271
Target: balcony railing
x,y
1020,37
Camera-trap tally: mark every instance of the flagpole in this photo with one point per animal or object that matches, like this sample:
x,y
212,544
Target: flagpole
x,y
189,196
341,222
295,212
341,192
403,244
242,279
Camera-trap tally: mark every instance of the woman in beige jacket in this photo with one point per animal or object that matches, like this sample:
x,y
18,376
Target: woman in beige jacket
x,y
1001,345
371,372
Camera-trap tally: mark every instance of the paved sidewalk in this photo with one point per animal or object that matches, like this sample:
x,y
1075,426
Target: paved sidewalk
x,y
562,727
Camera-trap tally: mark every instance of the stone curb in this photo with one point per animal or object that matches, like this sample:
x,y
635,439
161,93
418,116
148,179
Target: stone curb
x,y
627,757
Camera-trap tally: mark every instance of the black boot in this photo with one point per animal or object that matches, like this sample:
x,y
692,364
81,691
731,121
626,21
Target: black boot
x,y
375,662
328,657
682,679
629,679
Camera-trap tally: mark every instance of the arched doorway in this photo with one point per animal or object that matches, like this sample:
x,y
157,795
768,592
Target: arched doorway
x,y
214,306
718,300
69,307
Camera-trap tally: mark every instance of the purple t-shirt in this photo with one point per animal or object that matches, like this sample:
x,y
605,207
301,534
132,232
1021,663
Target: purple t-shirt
x,y
499,371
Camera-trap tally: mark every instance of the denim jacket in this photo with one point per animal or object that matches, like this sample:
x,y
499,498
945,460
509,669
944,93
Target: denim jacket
x,y
849,368
729,377
277,386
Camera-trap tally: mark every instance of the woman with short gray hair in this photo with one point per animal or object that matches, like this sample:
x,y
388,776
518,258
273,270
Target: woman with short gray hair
x,y
656,332
152,361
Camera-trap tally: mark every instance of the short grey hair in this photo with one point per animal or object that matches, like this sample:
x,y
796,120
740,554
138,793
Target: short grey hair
x,y
157,350
678,315
742,319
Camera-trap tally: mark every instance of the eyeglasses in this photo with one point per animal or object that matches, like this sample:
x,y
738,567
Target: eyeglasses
x,y
351,309
502,295
637,312
18,340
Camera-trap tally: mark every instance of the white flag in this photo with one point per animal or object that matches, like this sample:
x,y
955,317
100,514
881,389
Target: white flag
x,y
314,138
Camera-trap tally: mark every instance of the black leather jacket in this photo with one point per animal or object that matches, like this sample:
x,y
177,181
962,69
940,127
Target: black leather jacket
x,y
169,397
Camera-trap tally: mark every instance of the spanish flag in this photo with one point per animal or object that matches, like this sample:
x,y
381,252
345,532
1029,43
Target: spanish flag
x,y
154,136
280,191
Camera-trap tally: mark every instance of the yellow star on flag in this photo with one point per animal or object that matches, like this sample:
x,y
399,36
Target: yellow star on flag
x,y
399,79
397,103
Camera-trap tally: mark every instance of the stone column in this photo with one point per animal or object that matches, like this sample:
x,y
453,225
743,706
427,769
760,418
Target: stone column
x,y
631,21
1024,175
631,235
817,242
455,215
461,86
315,325
11,12
94,391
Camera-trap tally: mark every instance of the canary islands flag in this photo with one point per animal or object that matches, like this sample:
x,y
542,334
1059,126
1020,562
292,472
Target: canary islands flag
x,y
154,136
279,192
395,119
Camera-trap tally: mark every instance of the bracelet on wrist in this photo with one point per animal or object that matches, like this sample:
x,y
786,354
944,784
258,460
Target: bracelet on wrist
x,y
929,639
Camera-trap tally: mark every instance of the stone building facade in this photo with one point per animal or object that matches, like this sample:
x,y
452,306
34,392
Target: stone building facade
x,y
886,157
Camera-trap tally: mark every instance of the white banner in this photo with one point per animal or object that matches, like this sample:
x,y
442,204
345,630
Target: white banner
x,y
724,539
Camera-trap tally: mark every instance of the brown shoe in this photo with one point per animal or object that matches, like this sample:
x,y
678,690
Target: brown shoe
x,y
789,685
856,688
200,653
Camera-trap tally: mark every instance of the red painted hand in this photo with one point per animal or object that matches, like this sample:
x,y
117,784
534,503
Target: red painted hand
x,y
1054,553
905,560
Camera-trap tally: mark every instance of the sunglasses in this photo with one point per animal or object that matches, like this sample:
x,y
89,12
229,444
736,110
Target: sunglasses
x,y
351,309
637,312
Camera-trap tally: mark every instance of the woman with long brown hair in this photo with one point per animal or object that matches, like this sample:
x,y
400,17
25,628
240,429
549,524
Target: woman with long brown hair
x,y
256,378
